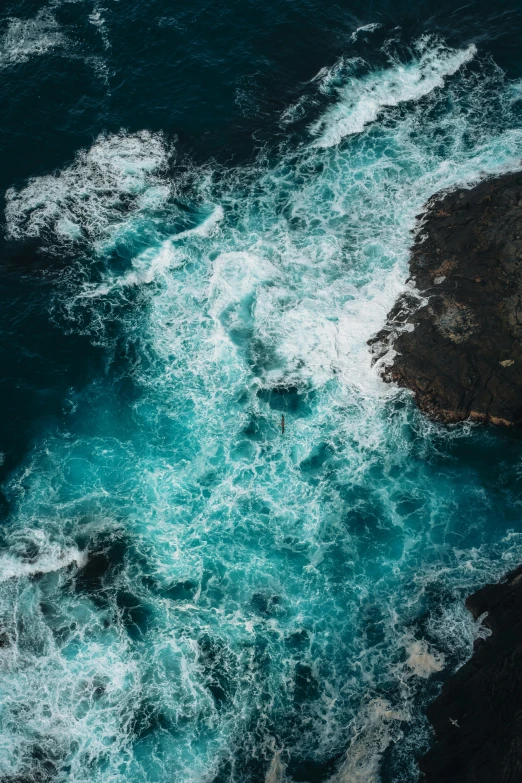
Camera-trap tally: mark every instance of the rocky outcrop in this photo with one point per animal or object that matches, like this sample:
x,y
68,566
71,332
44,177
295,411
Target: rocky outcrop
x,y
457,334
478,716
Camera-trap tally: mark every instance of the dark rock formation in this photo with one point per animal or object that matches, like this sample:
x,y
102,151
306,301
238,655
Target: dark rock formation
x,y
458,335
478,716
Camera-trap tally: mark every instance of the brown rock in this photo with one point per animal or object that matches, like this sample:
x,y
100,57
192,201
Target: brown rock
x,y
457,333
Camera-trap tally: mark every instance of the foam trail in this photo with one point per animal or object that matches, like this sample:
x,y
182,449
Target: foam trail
x,y
96,18
276,771
375,728
362,99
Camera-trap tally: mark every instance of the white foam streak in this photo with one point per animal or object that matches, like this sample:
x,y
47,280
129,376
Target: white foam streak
x,y
53,559
363,99
366,28
205,229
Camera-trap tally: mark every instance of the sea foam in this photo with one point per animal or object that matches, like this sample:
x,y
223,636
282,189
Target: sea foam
x,y
363,98
27,38
94,198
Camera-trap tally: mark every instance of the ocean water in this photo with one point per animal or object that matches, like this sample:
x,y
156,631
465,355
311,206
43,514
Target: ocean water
x,y
208,210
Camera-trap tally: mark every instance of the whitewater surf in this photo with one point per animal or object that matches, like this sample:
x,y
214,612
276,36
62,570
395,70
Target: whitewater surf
x,y
185,594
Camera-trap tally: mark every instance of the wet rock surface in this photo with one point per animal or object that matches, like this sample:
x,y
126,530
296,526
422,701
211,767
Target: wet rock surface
x,y
457,332
477,718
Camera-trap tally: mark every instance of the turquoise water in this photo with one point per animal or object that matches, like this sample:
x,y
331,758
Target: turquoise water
x,y
187,594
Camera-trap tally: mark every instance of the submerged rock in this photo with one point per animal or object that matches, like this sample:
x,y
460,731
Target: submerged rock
x,y
478,715
457,334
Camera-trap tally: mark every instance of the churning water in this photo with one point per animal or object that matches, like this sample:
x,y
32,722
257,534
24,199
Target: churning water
x,y
186,594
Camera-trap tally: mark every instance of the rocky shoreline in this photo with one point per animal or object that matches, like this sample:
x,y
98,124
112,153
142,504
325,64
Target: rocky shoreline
x,y
477,717
455,339
456,334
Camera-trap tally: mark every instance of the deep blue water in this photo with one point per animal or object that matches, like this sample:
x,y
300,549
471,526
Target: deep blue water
x,y
207,213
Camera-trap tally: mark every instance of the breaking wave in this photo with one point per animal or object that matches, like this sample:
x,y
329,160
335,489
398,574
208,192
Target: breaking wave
x,y
362,98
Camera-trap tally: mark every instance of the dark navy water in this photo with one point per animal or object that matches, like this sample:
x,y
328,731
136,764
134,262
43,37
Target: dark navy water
x,y
207,212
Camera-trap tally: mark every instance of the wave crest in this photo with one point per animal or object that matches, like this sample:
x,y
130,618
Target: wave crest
x,y
362,99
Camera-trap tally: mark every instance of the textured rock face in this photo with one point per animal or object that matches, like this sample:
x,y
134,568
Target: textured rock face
x,y
478,716
458,334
